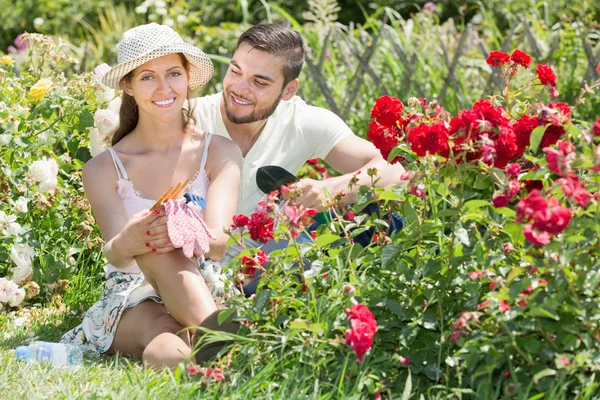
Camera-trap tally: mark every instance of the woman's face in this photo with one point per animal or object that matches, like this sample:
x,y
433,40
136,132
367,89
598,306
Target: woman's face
x,y
160,88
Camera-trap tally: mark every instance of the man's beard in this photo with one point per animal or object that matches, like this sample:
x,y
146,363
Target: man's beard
x,y
256,115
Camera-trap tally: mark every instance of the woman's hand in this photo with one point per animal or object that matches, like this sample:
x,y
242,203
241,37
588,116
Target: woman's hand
x,y
145,232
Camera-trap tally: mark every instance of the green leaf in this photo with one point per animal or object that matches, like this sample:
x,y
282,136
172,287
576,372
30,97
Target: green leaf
x,y
261,300
389,195
224,314
474,204
299,325
390,254
326,239
514,272
542,312
409,213
536,137
542,374
407,387
396,308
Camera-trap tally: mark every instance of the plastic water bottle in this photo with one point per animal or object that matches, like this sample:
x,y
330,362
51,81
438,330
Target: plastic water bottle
x,y
57,354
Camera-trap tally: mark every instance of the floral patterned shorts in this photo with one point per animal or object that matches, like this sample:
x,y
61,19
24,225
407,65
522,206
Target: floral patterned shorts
x,y
122,291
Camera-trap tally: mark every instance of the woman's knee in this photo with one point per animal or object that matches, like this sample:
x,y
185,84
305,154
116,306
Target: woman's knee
x,y
155,266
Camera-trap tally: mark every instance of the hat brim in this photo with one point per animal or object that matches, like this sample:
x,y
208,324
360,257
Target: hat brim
x,y
201,67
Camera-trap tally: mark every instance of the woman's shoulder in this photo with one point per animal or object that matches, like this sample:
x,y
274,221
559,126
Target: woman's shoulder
x,y
222,145
99,165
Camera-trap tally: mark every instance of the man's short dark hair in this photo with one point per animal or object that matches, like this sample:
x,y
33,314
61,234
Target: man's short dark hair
x,y
278,40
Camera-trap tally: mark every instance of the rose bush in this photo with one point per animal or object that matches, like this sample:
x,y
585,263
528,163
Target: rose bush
x,y
47,227
492,285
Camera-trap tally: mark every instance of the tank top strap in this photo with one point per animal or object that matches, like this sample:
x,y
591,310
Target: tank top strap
x,y
205,151
121,173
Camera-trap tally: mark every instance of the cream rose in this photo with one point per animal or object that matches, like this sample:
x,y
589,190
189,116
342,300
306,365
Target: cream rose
x,y
21,204
45,172
22,255
18,298
8,290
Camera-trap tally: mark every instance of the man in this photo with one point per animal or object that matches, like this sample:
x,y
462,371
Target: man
x,y
259,111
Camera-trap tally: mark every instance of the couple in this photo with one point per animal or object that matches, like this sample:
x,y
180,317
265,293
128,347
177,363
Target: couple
x,y
217,142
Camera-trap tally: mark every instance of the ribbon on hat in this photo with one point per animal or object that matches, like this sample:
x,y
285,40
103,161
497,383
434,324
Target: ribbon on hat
x,y
187,230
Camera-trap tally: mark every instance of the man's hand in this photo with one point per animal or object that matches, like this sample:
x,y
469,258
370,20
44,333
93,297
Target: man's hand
x,y
313,194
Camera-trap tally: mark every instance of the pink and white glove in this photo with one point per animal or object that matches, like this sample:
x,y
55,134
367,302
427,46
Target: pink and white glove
x,y
187,230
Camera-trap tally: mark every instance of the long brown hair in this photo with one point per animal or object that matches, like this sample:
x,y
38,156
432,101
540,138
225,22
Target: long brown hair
x,y
129,112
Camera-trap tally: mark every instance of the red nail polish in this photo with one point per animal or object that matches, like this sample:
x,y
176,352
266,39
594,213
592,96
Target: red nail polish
x,y
156,212
148,232
147,244
154,250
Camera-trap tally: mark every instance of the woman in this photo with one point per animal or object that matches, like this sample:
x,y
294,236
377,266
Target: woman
x,y
153,291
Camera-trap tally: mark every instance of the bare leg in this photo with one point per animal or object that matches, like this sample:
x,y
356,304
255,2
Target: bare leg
x,y
177,280
148,332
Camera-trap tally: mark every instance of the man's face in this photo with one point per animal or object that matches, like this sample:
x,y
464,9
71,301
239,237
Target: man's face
x,y
253,85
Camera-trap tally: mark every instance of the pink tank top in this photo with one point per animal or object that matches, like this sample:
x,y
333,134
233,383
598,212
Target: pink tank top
x,y
133,202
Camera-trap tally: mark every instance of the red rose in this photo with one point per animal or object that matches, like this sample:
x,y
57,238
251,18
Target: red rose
x,y
312,161
531,185
384,139
363,329
546,75
521,58
523,128
535,237
596,127
431,139
239,221
497,58
529,205
387,110
261,227
506,147
560,159
350,216
503,306
572,187
500,201
494,116
513,169
553,219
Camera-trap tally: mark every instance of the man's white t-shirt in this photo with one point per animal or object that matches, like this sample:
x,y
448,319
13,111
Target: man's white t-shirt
x,y
294,133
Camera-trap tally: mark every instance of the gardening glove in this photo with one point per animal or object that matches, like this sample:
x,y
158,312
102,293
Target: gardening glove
x,y
187,230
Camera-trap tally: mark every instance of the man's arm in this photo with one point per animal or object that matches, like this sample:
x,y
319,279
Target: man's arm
x,y
351,155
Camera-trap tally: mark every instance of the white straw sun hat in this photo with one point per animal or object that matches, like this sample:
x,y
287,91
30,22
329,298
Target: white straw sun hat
x,y
147,42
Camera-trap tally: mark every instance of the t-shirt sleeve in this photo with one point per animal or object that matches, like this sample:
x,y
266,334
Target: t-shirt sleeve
x,y
323,130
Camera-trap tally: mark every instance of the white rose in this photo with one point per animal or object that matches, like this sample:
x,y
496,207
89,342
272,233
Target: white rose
x,y
47,185
38,22
22,255
106,121
21,274
97,144
4,139
5,220
141,10
45,172
8,289
21,204
100,71
105,95
14,229
115,105
17,299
